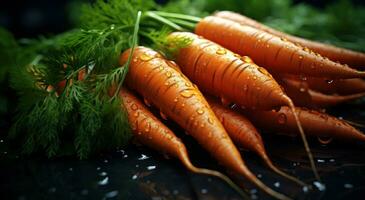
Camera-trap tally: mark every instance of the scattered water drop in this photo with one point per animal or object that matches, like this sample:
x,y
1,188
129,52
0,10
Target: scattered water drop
x,y
283,39
152,167
246,59
106,161
332,160
320,160
134,107
168,74
200,111
111,194
1,141
112,27
348,185
221,51
277,184
210,120
134,177
145,57
324,140
148,127
143,157
104,181
103,174
329,81
204,191
281,118
125,156
319,185
98,168
186,93
187,84
305,189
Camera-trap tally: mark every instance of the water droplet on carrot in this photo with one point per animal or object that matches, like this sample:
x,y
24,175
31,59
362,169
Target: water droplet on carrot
x,y
302,89
246,59
168,74
186,93
221,51
161,68
175,100
210,121
163,116
329,81
306,49
147,102
145,57
134,107
148,127
267,46
200,111
300,57
283,39
281,118
324,140
187,84
136,114
236,55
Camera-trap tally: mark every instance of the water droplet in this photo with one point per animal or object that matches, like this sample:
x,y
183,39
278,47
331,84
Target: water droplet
x,y
281,118
320,160
1,141
305,189
125,156
302,89
200,111
221,51
246,59
145,57
329,81
204,191
152,167
277,184
106,161
112,27
105,181
267,46
306,49
98,168
283,39
161,68
210,120
146,102
148,127
319,185
111,194
236,55
103,174
324,140
136,114
300,57
187,93
182,105
168,74
134,177
187,84
134,107
175,100
348,185
163,116
143,157
332,160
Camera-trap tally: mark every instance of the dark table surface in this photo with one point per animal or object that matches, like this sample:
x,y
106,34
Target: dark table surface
x,y
135,172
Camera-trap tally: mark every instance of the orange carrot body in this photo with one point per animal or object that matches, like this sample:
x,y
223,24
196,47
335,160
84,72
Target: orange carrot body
x,y
243,133
314,123
336,86
222,73
274,53
342,55
176,97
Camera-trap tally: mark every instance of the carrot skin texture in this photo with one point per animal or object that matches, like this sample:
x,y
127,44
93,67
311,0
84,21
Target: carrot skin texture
x,y
176,97
244,134
222,73
341,55
314,123
271,52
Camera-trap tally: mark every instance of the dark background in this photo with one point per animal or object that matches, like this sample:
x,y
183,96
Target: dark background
x,y
43,17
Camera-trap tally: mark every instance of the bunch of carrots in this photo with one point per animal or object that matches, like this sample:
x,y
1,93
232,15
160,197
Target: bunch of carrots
x,y
230,78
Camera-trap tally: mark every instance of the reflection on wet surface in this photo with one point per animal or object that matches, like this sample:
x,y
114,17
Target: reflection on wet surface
x,y
138,173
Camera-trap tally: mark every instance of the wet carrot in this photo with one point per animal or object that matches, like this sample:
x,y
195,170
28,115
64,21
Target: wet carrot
x,y
302,95
314,123
336,86
231,77
150,131
271,52
177,98
342,55
243,133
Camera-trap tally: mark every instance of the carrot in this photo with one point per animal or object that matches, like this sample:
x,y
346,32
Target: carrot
x,y
169,90
150,131
272,52
314,123
243,133
336,86
342,55
222,73
302,95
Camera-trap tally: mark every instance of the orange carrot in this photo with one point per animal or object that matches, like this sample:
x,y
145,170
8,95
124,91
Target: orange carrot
x,y
342,55
314,123
243,133
336,86
150,131
272,52
169,90
302,95
222,73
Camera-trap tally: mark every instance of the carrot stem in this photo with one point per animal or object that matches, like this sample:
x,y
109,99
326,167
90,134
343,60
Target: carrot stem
x,y
164,20
178,16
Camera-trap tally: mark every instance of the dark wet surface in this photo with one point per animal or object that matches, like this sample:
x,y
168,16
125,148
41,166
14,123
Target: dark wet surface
x,y
135,172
